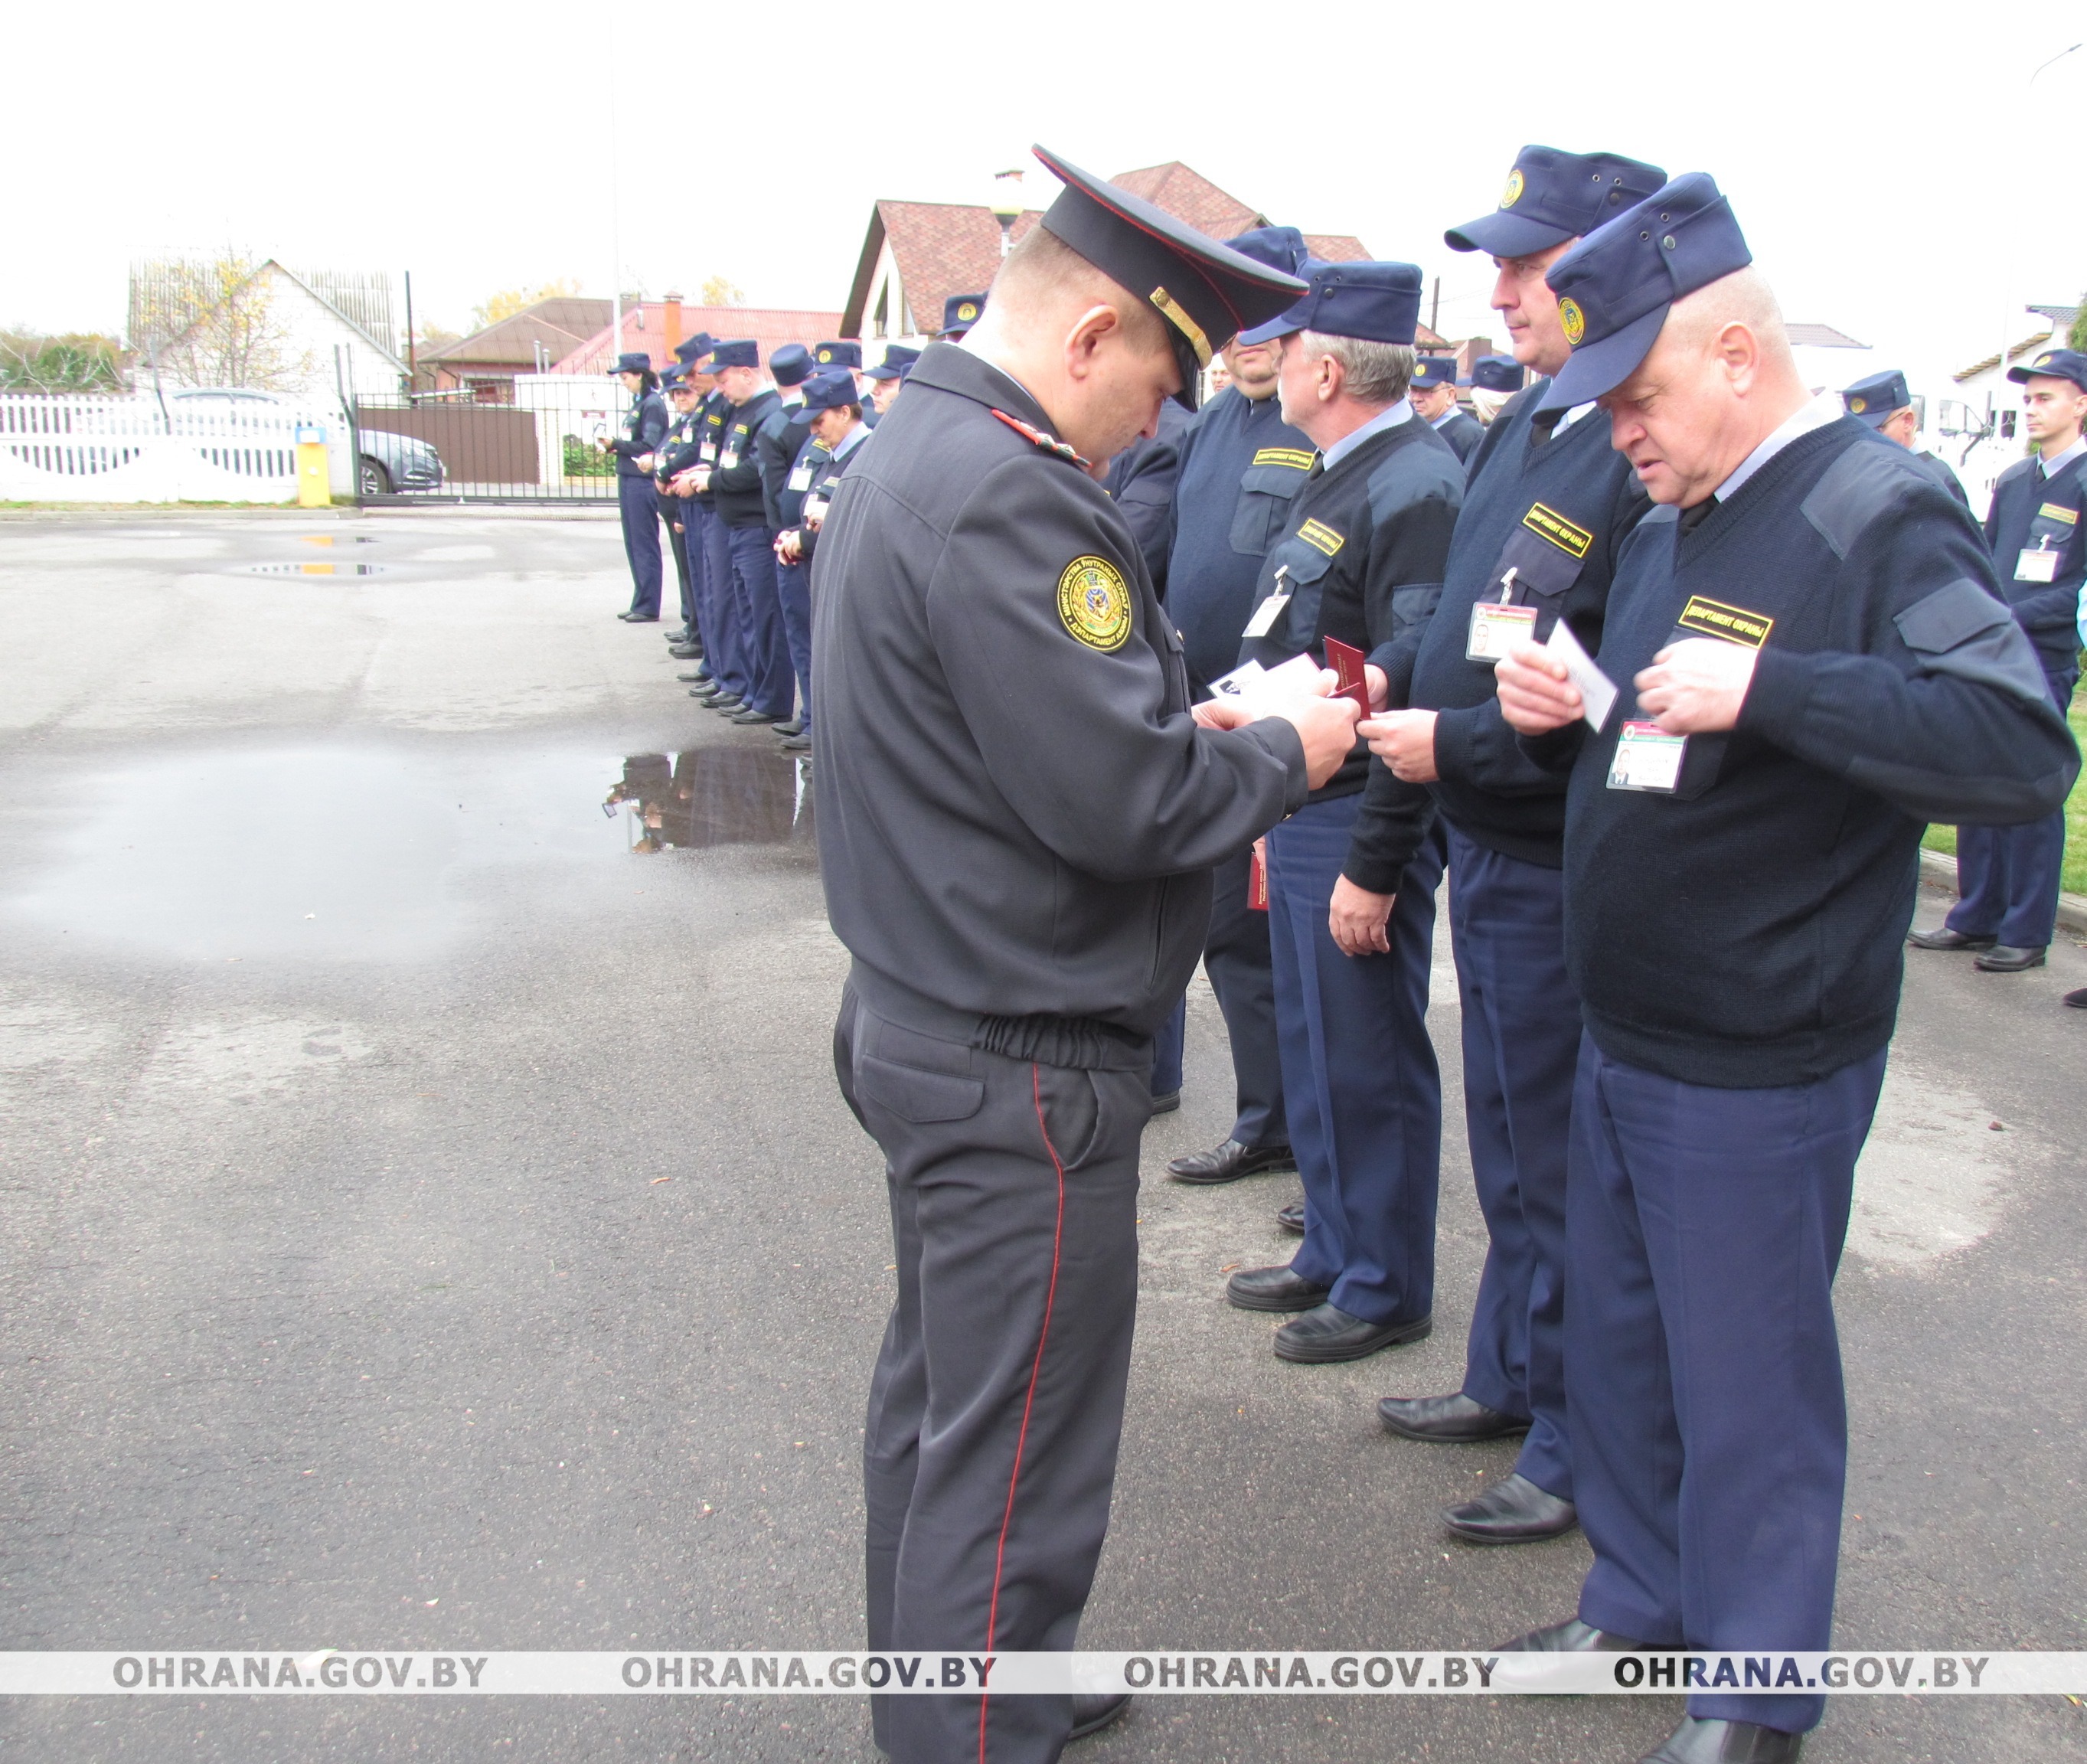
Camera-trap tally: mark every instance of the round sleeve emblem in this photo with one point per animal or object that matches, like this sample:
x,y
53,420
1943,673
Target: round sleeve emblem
x,y
1512,194
1573,320
1094,602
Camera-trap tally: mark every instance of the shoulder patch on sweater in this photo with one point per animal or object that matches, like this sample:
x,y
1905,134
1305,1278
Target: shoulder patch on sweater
x,y
1857,488
1962,629
1411,475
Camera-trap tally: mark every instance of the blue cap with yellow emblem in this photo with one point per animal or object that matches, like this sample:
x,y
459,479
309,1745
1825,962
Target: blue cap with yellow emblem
x,y
675,379
897,364
740,353
1877,398
1431,370
1497,374
792,365
1379,302
960,312
693,348
831,354
829,390
632,361
1553,196
1614,287
1280,248
2058,364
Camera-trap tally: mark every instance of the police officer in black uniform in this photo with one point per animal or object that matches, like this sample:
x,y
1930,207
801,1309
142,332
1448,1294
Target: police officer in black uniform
x,y
782,440
1017,815
743,512
1435,396
644,427
685,644
1880,401
834,430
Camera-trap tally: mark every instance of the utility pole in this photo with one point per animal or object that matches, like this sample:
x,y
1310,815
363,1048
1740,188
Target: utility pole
x,y
1435,309
412,372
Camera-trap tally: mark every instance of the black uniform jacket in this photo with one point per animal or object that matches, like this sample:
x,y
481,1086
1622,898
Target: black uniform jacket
x,y
737,482
644,427
1463,432
1017,816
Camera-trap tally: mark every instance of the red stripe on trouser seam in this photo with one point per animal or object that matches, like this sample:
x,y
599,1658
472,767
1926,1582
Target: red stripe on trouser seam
x,y
1035,1366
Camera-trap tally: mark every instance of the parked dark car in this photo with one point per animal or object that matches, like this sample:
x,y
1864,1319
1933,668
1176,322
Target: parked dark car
x,y
386,463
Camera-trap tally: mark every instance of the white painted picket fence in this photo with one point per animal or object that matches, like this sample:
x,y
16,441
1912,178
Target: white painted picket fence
x,y
78,448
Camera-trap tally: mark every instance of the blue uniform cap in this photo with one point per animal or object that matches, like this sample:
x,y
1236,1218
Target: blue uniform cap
x,y
675,379
1280,248
741,352
632,361
1497,374
1551,197
1434,370
2059,364
1378,302
792,365
1877,399
897,364
1614,287
836,355
960,312
693,348
829,390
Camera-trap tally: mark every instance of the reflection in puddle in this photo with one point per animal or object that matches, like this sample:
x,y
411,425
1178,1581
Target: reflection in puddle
x,y
312,569
330,539
712,796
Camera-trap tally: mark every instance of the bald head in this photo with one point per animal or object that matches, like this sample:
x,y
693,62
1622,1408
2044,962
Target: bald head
x,y
1718,382
1094,356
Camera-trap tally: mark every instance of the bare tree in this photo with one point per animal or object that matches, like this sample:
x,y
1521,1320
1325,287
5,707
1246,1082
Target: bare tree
x,y
214,322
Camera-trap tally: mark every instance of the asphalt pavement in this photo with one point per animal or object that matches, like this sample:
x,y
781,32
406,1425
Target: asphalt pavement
x,y
428,1221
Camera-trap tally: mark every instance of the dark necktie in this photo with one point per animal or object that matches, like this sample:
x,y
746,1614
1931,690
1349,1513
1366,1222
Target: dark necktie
x,y
1693,518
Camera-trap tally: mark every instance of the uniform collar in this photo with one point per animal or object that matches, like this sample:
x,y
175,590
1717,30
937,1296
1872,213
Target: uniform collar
x,y
1397,412
950,368
1814,414
2053,467
853,439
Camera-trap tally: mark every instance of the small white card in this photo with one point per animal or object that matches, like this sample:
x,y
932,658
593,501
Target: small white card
x,y
1598,692
1265,615
2033,566
1263,690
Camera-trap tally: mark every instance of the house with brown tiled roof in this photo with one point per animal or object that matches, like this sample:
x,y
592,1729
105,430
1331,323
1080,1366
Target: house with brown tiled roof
x,y
653,326
917,253
485,362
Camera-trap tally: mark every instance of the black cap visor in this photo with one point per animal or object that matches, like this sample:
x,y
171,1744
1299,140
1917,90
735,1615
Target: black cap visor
x,y
1502,235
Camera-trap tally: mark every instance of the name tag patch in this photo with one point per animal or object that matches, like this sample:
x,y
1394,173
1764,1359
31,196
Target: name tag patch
x,y
1291,456
1735,623
2050,511
1321,537
1567,536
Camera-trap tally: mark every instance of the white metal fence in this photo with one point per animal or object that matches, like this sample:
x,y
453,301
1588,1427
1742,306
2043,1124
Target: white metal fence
x,y
77,448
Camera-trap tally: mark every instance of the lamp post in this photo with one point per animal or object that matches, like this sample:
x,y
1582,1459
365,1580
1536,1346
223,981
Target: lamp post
x,y
2008,320
1007,206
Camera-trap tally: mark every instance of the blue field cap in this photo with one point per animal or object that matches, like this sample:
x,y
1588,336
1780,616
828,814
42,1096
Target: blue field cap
x,y
693,348
832,354
2059,364
792,365
1434,370
632,361
1497,374
1280,248
675,379
1877,399
829,390
1614,287
897,364
960,312
1551,197
740,353
1377,302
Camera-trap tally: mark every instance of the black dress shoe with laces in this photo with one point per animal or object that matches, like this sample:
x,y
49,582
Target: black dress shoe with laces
x,y
1698,1741
1291,1218
1229,1162
1514,1510
1273,1289
1944,938
1571,1637
1329,1335
1090,1714
2005,959
1458,1419
750,718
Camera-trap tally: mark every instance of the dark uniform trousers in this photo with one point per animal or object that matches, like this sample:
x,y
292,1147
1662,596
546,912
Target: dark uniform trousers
x,y
1703,1369
1363,1091
997,1400
1520,1044
673,509
638,501
1236,957
758,611
793,590
723,651
2008,876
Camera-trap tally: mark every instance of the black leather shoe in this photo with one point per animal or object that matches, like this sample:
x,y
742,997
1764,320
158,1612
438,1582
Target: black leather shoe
x,y
2005,959
1457,1418
1944,938
1091,1715
710,694
795,726
682,634
1698,1741
1166,1105
639,618
726,702
751,717
1229,1162
1273,1289
1571,1637
2078,1000
701,677
1291,1218
797,744
1514,1510
1321,1337
685,651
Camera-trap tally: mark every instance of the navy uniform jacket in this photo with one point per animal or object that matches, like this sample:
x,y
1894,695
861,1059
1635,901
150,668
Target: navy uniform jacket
x,y
1141,483
736,482
710,434
1017,816
783,435
1939,469
820,471
678,446
644,426
1240,465
1462,431
1362,561
2029,511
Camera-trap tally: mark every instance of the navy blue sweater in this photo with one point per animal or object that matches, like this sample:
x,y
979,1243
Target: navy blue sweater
x,y
2026,511
1555,506
645,426
1747,930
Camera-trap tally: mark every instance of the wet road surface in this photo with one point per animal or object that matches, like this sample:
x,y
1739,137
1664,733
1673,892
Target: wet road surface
x,y
429,1222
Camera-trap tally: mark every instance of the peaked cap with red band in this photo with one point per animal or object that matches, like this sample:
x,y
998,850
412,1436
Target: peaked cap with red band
x,y
1206,292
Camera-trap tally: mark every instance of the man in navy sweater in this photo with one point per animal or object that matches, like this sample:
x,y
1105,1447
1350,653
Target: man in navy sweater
x,y
1811,661
1548,504
2009,876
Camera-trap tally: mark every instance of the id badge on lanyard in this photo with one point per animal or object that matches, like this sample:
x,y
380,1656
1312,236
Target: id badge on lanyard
x,y
1497,625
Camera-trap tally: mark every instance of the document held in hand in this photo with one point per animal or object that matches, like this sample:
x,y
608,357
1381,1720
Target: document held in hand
x,y
1598,692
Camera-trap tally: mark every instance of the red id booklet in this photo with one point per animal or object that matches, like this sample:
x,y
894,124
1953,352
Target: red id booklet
x,y
1346,662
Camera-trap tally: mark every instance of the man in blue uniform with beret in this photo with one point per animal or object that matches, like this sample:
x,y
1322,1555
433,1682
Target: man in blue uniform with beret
x,y
1547,504
1434,395
1881,402
1350,894
1808,661
2008,876
1017,814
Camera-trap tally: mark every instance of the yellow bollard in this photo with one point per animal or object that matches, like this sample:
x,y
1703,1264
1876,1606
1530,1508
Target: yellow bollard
x,y
314,486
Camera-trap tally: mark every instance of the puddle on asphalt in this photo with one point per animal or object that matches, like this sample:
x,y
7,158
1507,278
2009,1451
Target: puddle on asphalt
x,y
312,568
333,538
387,855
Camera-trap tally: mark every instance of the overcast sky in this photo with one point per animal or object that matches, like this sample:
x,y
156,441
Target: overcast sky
x,y
1891,176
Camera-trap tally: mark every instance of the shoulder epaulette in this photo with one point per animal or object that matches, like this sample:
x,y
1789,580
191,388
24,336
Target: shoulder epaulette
x,y
1036,438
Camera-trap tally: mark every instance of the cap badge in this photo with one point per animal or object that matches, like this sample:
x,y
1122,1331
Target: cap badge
x,y
1573,319
967,312
1512,194
825,355
2043,360
1094,604
1856,406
